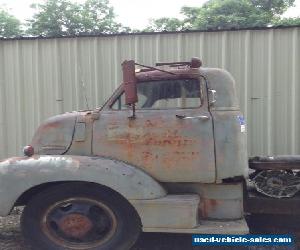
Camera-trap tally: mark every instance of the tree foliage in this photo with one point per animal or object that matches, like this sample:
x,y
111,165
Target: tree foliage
x,y
9,25
63,17
274,7
165,24
287,21
223,14
226,14
66,17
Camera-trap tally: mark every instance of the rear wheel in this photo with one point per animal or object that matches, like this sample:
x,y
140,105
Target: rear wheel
x,y
80,216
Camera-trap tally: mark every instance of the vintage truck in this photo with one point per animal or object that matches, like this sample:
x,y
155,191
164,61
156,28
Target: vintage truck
x,y
166,153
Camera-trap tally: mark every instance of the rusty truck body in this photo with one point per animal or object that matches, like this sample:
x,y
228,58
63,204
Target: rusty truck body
x,y
166,153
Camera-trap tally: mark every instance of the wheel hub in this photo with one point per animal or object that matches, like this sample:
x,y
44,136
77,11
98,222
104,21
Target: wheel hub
x,y
75,225
79,223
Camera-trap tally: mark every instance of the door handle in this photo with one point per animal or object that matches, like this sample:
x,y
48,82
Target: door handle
x,y
212,98
199,117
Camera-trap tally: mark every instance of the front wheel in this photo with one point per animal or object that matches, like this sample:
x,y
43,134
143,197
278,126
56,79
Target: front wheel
x,y
80,216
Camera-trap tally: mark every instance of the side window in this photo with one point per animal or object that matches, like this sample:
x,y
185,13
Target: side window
x,y
166,94
120,102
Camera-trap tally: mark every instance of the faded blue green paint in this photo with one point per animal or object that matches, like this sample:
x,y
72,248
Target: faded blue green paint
x,y
20,174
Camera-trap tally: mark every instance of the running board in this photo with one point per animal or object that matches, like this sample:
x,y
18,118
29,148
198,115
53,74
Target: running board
x,y
208,227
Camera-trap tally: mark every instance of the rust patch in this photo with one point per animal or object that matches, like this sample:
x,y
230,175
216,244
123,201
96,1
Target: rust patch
x,y
148,157
181,73
75,225
134,135
207,206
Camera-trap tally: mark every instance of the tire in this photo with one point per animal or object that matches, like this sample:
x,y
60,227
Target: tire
x,y
80,216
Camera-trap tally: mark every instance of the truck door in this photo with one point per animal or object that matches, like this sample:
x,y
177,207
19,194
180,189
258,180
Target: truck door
x,y
171,137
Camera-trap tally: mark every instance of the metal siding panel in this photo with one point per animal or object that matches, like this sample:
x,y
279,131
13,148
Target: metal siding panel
x,y
281,95
295,89
43,77
3,108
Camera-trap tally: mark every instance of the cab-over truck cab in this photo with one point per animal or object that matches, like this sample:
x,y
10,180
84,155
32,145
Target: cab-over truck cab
x,y
166,153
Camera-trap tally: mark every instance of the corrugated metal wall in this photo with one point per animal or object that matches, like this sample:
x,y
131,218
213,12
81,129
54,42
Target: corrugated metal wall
x,y
43,77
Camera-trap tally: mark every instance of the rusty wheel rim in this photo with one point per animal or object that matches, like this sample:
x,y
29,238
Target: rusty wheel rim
x,y
79,223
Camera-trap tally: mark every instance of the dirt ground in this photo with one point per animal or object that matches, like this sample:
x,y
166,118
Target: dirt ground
x,y
11,239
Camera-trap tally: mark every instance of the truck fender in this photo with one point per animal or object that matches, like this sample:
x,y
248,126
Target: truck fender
x,y
19,174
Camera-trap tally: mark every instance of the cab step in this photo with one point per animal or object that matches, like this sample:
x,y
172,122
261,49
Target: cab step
x,y
180,214
170,211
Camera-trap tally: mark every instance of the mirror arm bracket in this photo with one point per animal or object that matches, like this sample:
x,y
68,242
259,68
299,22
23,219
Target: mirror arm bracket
x,y
133,116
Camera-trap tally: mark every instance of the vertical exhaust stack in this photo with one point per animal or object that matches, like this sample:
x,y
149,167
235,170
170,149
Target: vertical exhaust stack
x,y
129,84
